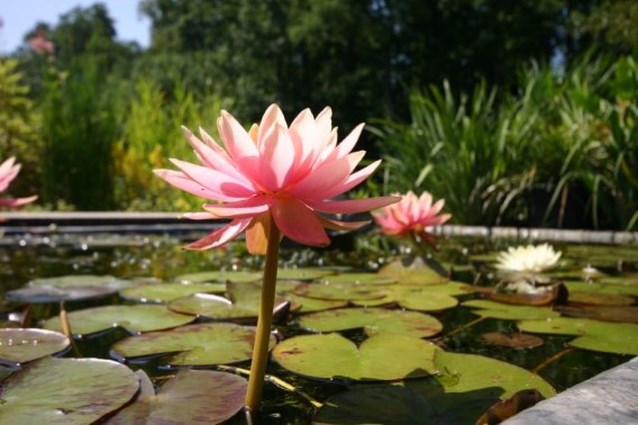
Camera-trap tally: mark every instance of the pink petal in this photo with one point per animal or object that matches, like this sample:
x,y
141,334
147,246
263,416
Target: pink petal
x,y
327,176
213,158
299,223
273,116
226,187
347,144
342,225
352,181
238,143
277,158
199,216
220,236
185,183
240,209
352,206
17,202
8,172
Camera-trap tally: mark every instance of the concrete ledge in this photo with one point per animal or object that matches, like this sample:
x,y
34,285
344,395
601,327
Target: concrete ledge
x,y
610,397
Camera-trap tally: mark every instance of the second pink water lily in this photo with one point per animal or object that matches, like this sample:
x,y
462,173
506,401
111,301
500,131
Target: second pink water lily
x,y
8,171
275,173
412,215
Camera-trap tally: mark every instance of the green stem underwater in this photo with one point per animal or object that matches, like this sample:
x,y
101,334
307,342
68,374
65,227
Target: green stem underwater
x,y
264,322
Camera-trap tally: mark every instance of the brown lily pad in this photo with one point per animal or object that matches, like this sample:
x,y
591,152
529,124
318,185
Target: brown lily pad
x,y
626,314
514,340
505,409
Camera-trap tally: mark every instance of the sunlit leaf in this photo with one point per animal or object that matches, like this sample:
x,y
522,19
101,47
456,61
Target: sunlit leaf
x,y
165,292
24,345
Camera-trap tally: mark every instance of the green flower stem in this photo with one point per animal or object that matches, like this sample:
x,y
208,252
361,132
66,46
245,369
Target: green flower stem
x,y
264,322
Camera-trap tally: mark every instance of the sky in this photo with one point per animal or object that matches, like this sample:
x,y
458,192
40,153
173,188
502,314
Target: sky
x,y
19,16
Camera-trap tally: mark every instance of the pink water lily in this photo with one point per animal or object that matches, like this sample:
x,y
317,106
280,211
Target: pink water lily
x,y
275,173
8,171
412,215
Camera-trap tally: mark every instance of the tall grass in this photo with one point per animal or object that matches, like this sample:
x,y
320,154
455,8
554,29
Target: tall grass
x,y
465,149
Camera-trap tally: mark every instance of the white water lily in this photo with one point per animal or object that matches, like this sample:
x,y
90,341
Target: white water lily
x,y
528,259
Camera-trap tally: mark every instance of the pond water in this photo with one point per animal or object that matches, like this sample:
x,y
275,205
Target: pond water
x,y
24,258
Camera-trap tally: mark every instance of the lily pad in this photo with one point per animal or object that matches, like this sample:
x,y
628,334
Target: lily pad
x,y
619,338
357,279
602,288
24,345
418,297
331,356
302,273
78,280
165,292
242,303
416,273
338,292
626,314
133,318
593,298
197,345
495,310
311,305
191,397
515,340
400,405
373,321
43,295
66,391
219,276
468,384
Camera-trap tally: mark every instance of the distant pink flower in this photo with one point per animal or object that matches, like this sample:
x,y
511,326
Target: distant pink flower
x,y
287,174
40,44
8,171
412,215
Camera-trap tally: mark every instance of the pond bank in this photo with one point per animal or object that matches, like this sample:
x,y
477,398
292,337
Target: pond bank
x,y
610,397
161,222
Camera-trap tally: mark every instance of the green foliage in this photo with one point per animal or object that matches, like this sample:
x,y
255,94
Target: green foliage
x,y
467,150
80,126
152,133
18,131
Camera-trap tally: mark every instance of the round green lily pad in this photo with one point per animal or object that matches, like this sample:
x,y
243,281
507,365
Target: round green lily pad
x,y
24,345
191,397
311,305
165,292
593,298
302,273
416,297
66,391
602,288
219,276
196,345
419,272
358,279
77,280
43,295
331,356
133,318
242,303
339,292
495,310
608,337
373,321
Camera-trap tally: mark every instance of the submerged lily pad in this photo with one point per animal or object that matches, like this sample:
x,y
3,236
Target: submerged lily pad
x,y
608,337
191,397
333,356
495,310
593,298
24,345
133,318
373,321
196,345
219,276
602,288
242,303
165,292
625,314
66,391
416,273
515,340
